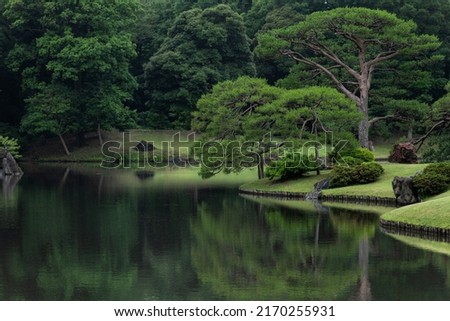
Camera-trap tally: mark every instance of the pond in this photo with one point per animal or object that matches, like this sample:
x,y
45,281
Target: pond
x,y
84,234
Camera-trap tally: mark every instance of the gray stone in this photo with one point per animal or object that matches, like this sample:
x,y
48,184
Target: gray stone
x,y
404,190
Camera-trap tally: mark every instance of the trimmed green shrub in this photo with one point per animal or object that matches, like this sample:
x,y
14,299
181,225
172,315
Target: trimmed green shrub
x,y
430,183
351,161
367,173
353,175
341,176
363,154
439,168
291,165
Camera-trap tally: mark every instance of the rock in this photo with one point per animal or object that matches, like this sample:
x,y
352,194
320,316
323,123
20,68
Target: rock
x,y
323,184
314,196
404,190
318,187
404,154
8,165
143,175
144,146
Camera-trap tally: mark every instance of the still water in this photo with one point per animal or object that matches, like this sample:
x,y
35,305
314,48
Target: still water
x,y
86,234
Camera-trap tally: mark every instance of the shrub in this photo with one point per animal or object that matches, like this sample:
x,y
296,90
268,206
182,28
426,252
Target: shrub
x,y
439,168
354,175
347,150
291,165
351,161
11,145
351,155
430,183
363,154
341,176
367,173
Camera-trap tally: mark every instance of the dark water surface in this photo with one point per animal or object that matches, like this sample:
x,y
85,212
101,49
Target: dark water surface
x,y
84,234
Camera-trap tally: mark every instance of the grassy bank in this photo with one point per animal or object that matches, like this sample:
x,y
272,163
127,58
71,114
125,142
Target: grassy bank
x,y
381,188
51,150
433,213
165,141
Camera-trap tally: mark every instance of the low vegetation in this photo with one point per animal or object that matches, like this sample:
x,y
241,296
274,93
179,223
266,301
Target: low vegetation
x,y
434,213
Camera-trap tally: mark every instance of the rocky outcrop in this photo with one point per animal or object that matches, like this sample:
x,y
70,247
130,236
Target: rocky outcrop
x,y
404,190
404,154
318,188
8,165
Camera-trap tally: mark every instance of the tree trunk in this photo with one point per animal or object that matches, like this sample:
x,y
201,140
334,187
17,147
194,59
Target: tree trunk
x,y
363,133
261,174
100,137
363,107
63,142
410,134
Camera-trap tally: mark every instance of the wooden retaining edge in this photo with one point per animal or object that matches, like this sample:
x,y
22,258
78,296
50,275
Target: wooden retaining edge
x,y
275,194
365,200
425,232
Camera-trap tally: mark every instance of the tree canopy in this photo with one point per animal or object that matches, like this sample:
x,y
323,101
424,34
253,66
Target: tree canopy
x,y
347,45
74,59
249,113
202,48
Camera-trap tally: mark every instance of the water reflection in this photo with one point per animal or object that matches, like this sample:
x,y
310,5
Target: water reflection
x,y
279,253
85,234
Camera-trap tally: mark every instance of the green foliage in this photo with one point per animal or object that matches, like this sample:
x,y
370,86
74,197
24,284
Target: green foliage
x,y
351,161
74,62
202,48
431,183
292,165
354,175
363,154
10,145
440,168
438,149
356,40
249,109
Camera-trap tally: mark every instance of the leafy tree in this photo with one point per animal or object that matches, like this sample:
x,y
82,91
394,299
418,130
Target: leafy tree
x,y
11,106
80,50
248,112
347,45
230,115
202,48
438,124
51,111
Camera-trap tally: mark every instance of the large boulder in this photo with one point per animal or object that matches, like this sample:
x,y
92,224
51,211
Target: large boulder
x,y
8,165
404,190
405,153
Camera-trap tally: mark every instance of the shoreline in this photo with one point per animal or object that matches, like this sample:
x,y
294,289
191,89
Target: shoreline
x,y
354,199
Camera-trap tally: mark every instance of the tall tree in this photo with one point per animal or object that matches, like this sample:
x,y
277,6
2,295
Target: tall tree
x,y
11,105
243,115
83,48
202,48
347,45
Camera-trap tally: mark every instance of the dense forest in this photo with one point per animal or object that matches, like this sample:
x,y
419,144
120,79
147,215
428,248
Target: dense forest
x,y
73,67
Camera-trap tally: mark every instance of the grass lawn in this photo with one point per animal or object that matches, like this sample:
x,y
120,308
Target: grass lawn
x,y
383,186
434,213
92,152
380,188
